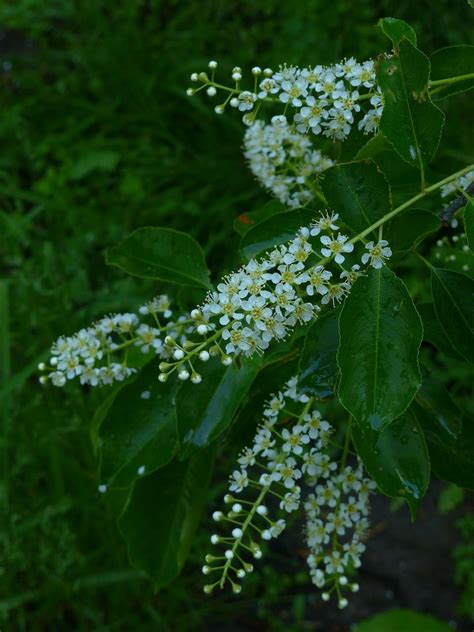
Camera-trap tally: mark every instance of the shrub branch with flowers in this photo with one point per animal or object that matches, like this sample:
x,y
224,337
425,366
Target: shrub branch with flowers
x,y
315,324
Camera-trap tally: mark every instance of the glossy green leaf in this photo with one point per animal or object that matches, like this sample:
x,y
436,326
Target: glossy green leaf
x,y
399,461
373,147
469,223
244,222
410,121
408,229
318,370
274,231
139,428
402,621
205,411
453,298
452,61
162,514
396,30
359,192
161,253
433,332
452,459
380,335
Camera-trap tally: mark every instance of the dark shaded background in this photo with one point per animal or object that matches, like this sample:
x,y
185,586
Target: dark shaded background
x,y
97,138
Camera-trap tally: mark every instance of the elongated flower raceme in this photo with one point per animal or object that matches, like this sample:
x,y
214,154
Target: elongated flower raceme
x,y
261,303
284,161
325,100
288,459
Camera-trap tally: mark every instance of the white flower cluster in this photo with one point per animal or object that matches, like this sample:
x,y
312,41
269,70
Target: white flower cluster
x,y
282,456
262,302
284,161
92,354
323,99
453,250
461,183
337,514
266,299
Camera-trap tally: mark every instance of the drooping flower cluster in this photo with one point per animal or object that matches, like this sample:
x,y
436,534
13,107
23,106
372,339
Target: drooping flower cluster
x,y
289,455
321,99
284,161
98,355
260,303
461,183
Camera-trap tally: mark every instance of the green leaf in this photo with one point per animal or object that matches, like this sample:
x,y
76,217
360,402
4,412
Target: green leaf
x,y
449,62
469,223
407,230
205,411
398,620
396,30
163,254
318,371
274,231
138,429
450,438
244,222
380,333
374,146
433,332
399,461
453,295
410,121
359,192
162,514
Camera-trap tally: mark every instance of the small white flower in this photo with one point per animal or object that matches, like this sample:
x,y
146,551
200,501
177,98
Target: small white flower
x,y
377,254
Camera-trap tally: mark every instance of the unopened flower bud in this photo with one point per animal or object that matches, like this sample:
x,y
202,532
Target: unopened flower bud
x,y
211,91
190,92
256,71
237,508
226,360
178,354
219,109
194,76
203,77
262,510
241,573
208,588
162,377
206,570
41,366
237,533
236,76
236,588
217,515
201,329
43,379
342,603
325,596
268,72
215,539
229,554
183,374
212,64
204,356
53,361
234,102
170,341
196,378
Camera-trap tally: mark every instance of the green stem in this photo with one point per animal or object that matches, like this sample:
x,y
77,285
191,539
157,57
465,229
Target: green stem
x,y
450,80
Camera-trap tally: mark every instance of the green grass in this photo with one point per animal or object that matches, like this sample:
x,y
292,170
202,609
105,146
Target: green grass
x,y
98,138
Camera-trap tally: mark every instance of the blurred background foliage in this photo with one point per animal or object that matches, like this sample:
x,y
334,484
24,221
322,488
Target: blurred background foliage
x,y
97,138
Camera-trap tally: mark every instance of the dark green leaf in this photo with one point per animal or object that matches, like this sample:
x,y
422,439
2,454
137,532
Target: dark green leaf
x,y
410,121
161,253
373,147
359,192
317,374
469,223
139,428
453,298
433,332
162,514
381,333
204,411
450,62
399,461
452,459
402,620
274,231
244,222
396,30
408,229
